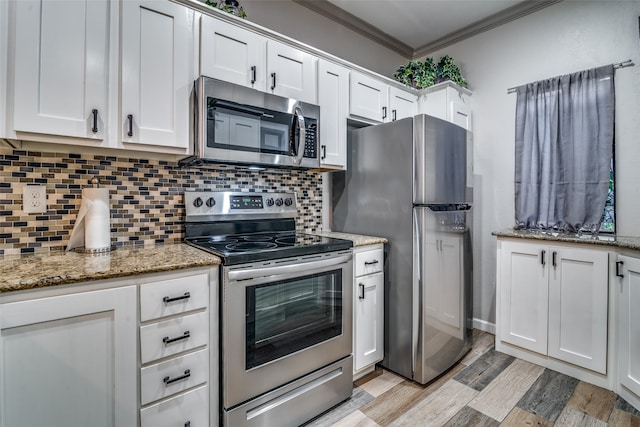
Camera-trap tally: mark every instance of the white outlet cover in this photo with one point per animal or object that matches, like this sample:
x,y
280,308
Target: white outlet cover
x,y
34,199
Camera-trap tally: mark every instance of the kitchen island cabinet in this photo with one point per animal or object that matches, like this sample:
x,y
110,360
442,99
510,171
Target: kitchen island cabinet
x,y
554,301
69,359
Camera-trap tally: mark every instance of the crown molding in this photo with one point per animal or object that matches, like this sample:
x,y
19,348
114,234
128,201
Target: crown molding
x,y
334,13
514,12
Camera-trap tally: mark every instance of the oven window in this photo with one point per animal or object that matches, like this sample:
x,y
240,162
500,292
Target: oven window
x,y
287,316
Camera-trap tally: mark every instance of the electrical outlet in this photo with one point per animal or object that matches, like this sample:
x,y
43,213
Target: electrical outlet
x,y
34,199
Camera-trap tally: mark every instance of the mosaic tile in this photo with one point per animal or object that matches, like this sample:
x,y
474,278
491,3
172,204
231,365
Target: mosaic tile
x,y
146,196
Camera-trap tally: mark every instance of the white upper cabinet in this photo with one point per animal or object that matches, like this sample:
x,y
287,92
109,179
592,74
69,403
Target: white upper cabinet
x,y
447,101
333,98
369,97
61,68
402,103
157,62
232,54
240,56
292,73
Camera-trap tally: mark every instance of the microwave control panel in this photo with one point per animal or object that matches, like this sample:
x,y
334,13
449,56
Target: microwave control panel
x,y
310,139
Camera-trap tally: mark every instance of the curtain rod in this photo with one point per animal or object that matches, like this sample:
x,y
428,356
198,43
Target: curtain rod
x,y
623,64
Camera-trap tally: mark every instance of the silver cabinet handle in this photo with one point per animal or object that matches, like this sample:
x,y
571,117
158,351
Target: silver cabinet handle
x,y
361,290
94,128
168,380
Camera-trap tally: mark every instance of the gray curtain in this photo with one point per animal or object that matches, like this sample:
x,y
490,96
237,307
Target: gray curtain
x,y
564,144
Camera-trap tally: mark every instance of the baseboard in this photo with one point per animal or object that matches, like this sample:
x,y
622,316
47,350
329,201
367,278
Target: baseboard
x,y
485,326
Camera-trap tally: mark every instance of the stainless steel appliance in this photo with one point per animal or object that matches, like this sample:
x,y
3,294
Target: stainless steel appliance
x,y
240,125
286,307
410,181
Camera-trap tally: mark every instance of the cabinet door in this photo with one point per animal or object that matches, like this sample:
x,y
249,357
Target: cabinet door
x,y
369,97
460,114
368,320
61,67
333,98
232,54
523,293
629,324
157,72
292,73
402,103
69,360
578,306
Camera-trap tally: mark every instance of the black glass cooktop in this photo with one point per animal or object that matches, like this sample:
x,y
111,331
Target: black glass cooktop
x,y
243,248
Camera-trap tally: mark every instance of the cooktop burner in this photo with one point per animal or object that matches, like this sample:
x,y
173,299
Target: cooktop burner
x,y
248,227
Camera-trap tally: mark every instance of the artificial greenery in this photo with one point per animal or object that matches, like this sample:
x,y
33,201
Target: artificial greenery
x,y
228,6
423,74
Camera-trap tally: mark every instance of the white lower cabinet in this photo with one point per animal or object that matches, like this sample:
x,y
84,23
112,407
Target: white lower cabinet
x,y
176,316
368,308
68,360
628,293
553,300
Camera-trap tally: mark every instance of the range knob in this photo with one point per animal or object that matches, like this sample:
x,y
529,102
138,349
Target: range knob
x,y
270,201
279,201
288,201
211,202
197,202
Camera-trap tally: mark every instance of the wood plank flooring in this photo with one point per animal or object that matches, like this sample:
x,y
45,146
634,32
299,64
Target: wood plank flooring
x,y
486,389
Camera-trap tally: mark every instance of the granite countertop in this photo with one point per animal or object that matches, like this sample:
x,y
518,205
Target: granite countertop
x,y
357,239
59,268
601,239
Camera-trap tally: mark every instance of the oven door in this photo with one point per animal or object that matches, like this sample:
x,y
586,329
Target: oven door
x,y
282,320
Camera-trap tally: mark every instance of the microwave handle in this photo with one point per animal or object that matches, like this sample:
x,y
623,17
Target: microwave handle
x,y
238,107
302,134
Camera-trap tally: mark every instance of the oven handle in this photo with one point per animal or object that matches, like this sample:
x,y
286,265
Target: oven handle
x,y
254,273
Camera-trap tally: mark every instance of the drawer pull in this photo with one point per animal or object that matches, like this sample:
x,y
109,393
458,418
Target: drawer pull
x,y
361,291
167,300
371,262
168,380
619,265
185,336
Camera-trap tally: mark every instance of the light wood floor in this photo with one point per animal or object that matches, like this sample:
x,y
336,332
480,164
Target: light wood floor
x,y
486,388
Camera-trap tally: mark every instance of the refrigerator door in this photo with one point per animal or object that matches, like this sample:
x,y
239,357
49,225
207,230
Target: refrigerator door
x,y
442,162
442,260
374,197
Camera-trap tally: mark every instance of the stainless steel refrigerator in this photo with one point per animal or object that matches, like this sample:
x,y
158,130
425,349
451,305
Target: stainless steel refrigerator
x,y
411,182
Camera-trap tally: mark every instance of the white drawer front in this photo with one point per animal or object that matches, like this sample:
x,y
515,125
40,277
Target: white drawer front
x,y
191,407
173,336
368,262
173,376
174,296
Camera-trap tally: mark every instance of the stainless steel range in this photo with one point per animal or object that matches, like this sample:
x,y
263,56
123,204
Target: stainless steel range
x,y
286,303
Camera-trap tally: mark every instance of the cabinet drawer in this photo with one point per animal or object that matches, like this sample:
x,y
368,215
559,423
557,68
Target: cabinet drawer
x,y
173,376
368,262
173,336
174,296
191,407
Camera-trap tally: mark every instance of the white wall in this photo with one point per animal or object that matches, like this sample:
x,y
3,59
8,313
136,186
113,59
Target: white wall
x,y
302,24
567,37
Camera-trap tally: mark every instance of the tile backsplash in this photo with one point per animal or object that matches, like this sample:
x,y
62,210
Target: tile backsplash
x,y
146,196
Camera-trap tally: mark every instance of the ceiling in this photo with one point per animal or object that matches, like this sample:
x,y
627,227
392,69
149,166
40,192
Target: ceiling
x,y
415,28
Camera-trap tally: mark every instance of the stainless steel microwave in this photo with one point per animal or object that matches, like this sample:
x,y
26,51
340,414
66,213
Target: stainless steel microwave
x,y
239,125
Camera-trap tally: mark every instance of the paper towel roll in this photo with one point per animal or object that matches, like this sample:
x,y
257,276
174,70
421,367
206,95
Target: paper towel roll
x,y
93,226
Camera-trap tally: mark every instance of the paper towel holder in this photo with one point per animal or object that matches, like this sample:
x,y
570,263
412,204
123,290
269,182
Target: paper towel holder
x,y
95,183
